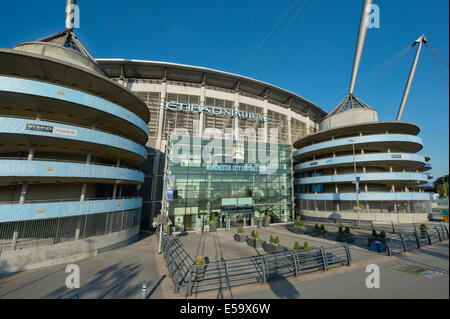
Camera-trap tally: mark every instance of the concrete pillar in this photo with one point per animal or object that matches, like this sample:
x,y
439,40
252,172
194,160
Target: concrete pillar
x,y
161,112
236,120
24,189
266,123
77,230
201,125
84,185
15,238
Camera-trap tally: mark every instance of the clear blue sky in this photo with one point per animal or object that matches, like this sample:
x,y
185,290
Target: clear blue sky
x,y
310,52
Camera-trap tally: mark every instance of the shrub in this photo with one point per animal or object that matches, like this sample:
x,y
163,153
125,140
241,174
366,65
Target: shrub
x,y
382,234
347,230
267,217
423,226
256,235
296,246
200,263
316,227
302,224
374,233
240,230
252,234
322,227
340,229
276,241
271,239
305,245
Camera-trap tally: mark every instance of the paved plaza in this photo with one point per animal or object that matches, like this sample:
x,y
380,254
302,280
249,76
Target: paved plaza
x,y
420,273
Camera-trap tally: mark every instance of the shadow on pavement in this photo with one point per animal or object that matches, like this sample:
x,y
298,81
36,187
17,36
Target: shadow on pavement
x,y
283,289
110,282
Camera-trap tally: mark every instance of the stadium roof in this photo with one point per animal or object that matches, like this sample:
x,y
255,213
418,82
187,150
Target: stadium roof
x,y
139,69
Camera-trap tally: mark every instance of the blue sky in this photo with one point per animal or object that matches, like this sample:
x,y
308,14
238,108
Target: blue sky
x,y
309,52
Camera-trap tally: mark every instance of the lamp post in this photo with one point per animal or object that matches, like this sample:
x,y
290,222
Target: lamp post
x,y
166,168
356,181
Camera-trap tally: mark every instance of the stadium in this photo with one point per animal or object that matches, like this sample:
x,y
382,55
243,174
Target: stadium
x,y
90,153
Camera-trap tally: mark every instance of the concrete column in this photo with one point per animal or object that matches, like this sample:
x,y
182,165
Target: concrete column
x,y
266,123
77,230
15,238
236,120
24,189
161,112
84,185
201,125
289,126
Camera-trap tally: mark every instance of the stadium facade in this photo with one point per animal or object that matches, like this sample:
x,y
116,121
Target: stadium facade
x,y
193,100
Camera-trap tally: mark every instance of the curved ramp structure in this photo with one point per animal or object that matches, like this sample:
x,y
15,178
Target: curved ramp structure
x,y
71,145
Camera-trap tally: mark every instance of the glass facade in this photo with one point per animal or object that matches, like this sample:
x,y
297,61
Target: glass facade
x,y
237,192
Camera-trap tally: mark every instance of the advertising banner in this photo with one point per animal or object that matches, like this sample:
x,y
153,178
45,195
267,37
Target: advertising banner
x,y
170,181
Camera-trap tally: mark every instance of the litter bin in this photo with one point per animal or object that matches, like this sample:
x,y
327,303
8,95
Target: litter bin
x,y
378,246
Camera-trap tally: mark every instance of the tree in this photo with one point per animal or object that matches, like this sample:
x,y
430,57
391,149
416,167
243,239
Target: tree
x,y
443,192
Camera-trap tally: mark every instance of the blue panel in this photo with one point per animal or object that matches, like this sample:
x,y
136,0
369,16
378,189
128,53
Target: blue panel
x,y
387,196
11,84
57,130
360,140
382,157
35,211
38,168
364,178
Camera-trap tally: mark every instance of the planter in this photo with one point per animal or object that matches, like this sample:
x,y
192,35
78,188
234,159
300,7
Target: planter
x,y
423,234
240,237
371,239
266,222
255,243
272,248
345,237
212,227
319,233
299,230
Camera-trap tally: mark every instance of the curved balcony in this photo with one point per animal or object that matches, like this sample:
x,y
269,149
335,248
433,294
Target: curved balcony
x,y
19,171
403,178
381,142
54,100
37,66
16,134
370,196
408,161
64,208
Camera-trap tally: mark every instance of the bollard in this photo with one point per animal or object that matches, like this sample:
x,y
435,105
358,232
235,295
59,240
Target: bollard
x,y
144,289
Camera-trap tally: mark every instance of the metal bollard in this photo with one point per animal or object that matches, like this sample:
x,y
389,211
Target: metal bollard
x,y
144,289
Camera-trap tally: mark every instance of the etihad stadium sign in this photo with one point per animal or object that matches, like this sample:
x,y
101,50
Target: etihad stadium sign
x,y
215,110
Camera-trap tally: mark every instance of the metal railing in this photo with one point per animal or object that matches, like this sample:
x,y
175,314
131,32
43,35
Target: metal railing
x,y
363,224
45,232
241,271
404,241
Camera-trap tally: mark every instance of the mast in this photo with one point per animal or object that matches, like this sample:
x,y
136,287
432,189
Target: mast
x,y
70,14
363,23
421,41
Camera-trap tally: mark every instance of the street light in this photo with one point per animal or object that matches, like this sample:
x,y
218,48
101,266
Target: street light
x,y
166,168
356,182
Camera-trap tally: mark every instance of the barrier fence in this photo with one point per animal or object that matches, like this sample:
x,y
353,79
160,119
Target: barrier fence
x,y
43,232
241,271
402,242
